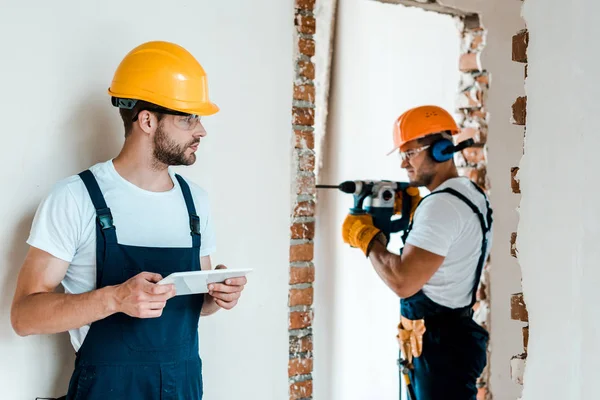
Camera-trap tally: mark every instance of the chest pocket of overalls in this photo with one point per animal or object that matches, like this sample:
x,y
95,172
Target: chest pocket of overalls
x,y
178,323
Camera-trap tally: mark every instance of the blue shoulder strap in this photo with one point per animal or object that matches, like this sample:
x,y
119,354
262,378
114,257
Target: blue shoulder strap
x,y
194,219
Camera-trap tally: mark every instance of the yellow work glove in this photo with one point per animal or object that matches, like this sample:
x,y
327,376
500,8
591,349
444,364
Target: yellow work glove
x,y
359,231
415,198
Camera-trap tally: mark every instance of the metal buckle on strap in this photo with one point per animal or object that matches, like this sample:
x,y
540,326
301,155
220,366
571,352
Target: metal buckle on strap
x,y
195,224
105,218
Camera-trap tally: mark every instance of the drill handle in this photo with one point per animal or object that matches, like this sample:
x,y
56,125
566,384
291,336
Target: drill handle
x,y
403,223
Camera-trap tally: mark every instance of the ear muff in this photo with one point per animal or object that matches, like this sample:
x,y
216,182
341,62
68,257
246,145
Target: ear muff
x,y
442,150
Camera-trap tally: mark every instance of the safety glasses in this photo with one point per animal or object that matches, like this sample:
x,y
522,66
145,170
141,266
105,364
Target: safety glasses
x,y
410,154
182,120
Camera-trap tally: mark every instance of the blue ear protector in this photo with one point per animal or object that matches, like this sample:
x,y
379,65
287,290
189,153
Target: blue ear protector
x,y
443,150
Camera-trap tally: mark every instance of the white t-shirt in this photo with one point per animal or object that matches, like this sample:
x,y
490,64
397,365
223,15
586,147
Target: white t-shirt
x,y
447,226
65,224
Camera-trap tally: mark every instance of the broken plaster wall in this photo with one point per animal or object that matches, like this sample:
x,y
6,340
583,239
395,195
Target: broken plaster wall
x,y
58,59
559,232
501,19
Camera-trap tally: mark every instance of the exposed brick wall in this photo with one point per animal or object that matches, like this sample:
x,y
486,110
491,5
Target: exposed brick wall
x,y
518,309
302,224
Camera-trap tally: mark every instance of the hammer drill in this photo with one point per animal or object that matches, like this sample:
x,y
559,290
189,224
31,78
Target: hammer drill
x,y
377,198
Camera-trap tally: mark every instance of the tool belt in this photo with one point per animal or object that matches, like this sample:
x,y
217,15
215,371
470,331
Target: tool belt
x,y
410,332
410,338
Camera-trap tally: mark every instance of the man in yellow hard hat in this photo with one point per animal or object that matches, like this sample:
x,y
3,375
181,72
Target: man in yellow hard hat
x,y
110,233
438,272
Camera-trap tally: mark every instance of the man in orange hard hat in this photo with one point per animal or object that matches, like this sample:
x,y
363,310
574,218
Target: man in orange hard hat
x,y
110,233
438,271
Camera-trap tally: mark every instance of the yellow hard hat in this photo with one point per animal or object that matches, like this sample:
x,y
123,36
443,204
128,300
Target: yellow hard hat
x,y
164,74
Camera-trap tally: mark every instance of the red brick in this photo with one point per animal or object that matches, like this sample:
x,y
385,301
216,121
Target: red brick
x,y
518,310
301,297
478,135
308,5
474,155
301,344
300,366
525,338
477,42
306,46
306,69
472,22
301,390
306,24
477,175
514,183
469,62
513,244
306,161
483,79
481,292
304,92
304,139
477,114
302,275
303,230
471,98
482,393
519,110
305,209
300,319
303,116
520,41
302,252
305,185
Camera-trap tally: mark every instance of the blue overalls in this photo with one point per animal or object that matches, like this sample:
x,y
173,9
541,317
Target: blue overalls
x,y
133,358
454,345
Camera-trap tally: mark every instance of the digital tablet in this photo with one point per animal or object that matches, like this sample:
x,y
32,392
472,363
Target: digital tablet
x,y
193,282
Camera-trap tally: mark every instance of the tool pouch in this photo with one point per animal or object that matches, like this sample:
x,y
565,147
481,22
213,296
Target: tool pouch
x,y
410,338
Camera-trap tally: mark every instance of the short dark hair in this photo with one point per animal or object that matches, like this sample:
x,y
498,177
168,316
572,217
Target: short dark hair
x,y
128,115
429,139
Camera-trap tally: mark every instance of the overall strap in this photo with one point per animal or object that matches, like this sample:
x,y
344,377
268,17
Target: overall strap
x,y
194,219
104,217
485,228
489,217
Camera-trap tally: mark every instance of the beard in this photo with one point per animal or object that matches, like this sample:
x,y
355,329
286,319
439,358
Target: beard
x,y
423,178
168,152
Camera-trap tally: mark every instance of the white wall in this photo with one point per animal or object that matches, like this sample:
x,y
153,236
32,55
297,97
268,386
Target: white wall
x,y
387,58
57,61
558,230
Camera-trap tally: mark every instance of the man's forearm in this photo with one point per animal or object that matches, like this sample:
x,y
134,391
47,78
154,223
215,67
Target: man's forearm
x,y
386,265
209,306
47,313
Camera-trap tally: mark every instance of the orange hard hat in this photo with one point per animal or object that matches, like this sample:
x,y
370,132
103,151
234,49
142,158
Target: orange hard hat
x,y
422,121
164,74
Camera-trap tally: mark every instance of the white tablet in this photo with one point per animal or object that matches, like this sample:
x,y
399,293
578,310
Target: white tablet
x,y
197,281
